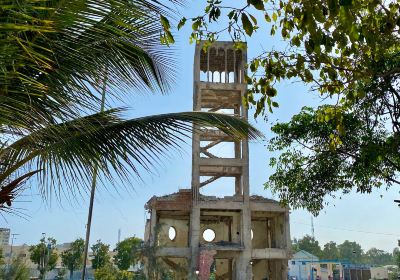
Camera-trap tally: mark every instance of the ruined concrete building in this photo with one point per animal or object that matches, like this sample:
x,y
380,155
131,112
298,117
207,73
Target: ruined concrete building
x,y
237,237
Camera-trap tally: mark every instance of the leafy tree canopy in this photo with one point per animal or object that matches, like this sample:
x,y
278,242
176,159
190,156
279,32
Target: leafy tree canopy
x,y
313,163
109,272
128,252
309,244
346,50
378,257
396,257
1,256
100,254
336,46
44,255
72,258
330,251
351,251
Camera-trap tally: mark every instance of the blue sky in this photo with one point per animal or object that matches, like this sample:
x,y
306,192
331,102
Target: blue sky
x,y
371,220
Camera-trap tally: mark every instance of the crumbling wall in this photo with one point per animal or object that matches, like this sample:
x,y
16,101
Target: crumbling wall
x,y
223,269
206,259
269,269
176,267
181,229
261,234
226,226
260,270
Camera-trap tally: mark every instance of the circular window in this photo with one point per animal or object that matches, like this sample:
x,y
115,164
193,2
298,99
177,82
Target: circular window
x,y
171,233
252,234
209,235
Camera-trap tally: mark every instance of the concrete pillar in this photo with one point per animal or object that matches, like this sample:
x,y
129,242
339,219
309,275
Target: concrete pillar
x,y
153,227
194,241
244,268
287,233
284,267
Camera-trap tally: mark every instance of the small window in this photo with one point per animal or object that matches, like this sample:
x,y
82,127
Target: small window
x,y
293,262
209,235
303,263
171,233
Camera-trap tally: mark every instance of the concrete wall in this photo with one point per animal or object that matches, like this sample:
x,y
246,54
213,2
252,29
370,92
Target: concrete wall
x,y
269,269
226,225
261,234
223,269
182,232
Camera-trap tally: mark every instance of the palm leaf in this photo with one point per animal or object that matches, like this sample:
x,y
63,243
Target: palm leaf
x,y
66,153
52,54
12,189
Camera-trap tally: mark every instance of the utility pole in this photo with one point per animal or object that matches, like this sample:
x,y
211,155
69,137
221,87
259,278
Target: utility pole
x,y
11,249
12,243
43,261
312,228
94,181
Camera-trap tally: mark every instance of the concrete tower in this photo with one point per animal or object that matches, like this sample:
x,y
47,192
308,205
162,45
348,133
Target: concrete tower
x,y
237,236
219,87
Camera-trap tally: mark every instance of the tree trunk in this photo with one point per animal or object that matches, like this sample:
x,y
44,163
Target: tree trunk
x,y
71,274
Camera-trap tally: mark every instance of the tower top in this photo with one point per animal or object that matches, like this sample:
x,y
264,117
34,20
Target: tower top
x,y
221,62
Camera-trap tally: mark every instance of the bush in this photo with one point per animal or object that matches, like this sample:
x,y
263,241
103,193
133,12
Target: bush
x,y
109,272
16,271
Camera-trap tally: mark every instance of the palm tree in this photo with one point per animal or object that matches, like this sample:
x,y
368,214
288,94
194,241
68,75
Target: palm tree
x,y
53,55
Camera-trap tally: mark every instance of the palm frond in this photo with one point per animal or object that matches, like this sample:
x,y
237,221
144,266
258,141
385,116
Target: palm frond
x,y
52,54
66,153
13,189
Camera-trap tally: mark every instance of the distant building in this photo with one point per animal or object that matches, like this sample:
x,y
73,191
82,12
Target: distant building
x,y
4,236
303,265
306,266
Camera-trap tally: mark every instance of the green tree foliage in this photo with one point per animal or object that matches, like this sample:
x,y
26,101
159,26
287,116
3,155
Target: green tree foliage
x,y
44,255
348,51
335,45
128,252
394,274
309,244
378,257
314,163
109,272
396,257
55,54
295,247
72,258
330,251
1,256
17,270
351,251
100,254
